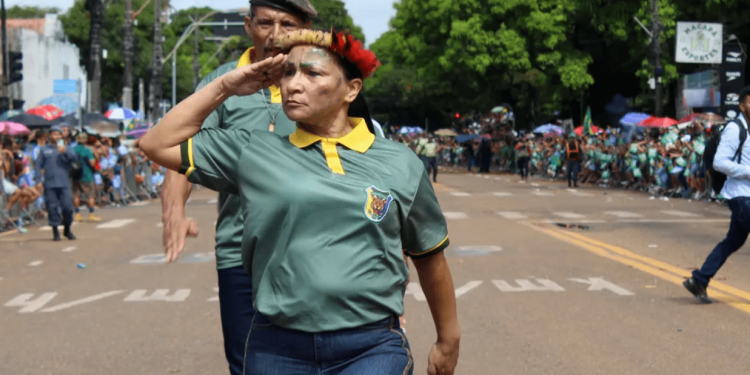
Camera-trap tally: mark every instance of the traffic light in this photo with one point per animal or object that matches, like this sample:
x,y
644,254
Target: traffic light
x,y
457,115
15,67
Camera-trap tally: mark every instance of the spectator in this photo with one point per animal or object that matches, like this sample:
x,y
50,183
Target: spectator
x,y
84,188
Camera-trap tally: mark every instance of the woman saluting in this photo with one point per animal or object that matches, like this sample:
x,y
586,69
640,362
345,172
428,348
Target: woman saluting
x,y
328,212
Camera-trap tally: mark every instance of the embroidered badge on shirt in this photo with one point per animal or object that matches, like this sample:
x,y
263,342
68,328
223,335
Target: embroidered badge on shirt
x,y
377,204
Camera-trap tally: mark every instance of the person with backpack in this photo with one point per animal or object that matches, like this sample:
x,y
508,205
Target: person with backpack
x,y
83,183
730,172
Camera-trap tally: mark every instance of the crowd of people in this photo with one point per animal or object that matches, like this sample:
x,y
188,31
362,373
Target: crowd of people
x,y
96,171
665,161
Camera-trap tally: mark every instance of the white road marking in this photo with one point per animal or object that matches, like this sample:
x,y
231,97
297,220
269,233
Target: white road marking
x,y
460,194
497,179
511,215
486,177
69,249
119,223
49,228
524,285
598,284
214,298
81,301
139,295
159,225
534,184
415,290
29,305
680,213
455,215
501,194
569,215
213,201
150,259
139,204
35,263
623,214
675,221
542,193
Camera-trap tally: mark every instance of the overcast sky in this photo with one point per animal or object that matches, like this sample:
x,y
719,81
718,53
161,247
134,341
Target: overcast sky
x,y
371,15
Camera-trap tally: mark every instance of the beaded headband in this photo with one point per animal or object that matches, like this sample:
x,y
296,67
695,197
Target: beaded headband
x,y
342,44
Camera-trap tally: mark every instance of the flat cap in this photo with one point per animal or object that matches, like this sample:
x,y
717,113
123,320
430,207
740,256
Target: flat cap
x,y
298,7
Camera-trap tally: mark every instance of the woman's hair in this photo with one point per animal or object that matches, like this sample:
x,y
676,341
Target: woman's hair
x,y
359,108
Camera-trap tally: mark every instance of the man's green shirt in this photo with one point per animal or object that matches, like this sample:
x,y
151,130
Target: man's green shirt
x,y
248,113
84,156
324,248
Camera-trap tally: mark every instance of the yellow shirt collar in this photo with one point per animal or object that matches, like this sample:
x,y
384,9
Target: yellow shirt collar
x,y
359,139
247,58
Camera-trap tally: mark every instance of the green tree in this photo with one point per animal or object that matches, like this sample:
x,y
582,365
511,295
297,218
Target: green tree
x,y
29,11
333,14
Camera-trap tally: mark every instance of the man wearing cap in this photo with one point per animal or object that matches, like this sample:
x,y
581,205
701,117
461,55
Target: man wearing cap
x,y
260,111
54,161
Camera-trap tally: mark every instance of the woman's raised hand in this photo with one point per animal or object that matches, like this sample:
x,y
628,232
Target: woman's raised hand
x,y
251,78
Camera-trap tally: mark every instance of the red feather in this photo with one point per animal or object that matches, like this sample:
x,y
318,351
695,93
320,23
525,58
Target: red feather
x,y
352,50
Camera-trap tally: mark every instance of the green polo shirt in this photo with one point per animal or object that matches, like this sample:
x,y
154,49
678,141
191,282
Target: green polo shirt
x,y
327,220
249,113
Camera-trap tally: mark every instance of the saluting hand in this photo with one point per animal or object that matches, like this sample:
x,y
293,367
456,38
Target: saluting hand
x,y
249,79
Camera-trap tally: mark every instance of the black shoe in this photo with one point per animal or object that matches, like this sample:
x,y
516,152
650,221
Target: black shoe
x,y
68,234
55,234
697,290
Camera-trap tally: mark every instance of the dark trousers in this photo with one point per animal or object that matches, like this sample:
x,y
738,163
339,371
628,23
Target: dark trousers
x,y
59,199
430,163
523,166
574,168
236,304
739,227
378,348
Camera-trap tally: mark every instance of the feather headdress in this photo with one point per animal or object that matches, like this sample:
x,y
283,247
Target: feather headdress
x,y
342,44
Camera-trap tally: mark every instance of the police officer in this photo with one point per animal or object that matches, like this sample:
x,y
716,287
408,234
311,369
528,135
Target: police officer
x,y
55,159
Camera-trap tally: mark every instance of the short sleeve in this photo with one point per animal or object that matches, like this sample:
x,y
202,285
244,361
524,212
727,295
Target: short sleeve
x,y
211,158
424,232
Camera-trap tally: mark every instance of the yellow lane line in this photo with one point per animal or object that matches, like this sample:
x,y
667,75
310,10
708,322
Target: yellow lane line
x,y
442,187
724,293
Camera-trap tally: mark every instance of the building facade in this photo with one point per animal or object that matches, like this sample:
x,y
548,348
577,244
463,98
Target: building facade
x,y
47,56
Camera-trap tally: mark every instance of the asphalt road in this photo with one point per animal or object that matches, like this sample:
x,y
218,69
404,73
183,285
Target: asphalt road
x,y
549,281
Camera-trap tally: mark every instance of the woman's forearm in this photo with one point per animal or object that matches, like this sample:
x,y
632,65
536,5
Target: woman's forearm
x,y
161,144
437,286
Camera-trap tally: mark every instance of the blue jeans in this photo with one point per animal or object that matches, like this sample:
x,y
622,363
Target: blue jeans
x,y
378,348
236,304
523,166
739,227
574,168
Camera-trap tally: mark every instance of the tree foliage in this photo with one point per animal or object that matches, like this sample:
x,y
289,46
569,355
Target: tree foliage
x,y
333,14
544,57
29,12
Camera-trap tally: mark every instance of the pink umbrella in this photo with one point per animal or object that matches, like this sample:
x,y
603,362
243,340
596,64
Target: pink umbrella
x,y
13,128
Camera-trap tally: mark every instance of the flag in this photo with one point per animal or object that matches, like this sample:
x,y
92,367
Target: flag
x,y
587,128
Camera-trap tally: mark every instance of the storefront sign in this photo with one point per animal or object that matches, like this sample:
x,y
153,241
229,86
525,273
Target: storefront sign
x,y
732,80
699,43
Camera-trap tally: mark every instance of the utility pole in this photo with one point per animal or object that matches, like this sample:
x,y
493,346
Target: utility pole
x,y
658,70
127,54
6,67
141,97
154,92
96,14
196,65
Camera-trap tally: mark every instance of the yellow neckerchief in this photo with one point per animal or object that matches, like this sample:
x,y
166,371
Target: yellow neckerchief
x,y
247,58
359,139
